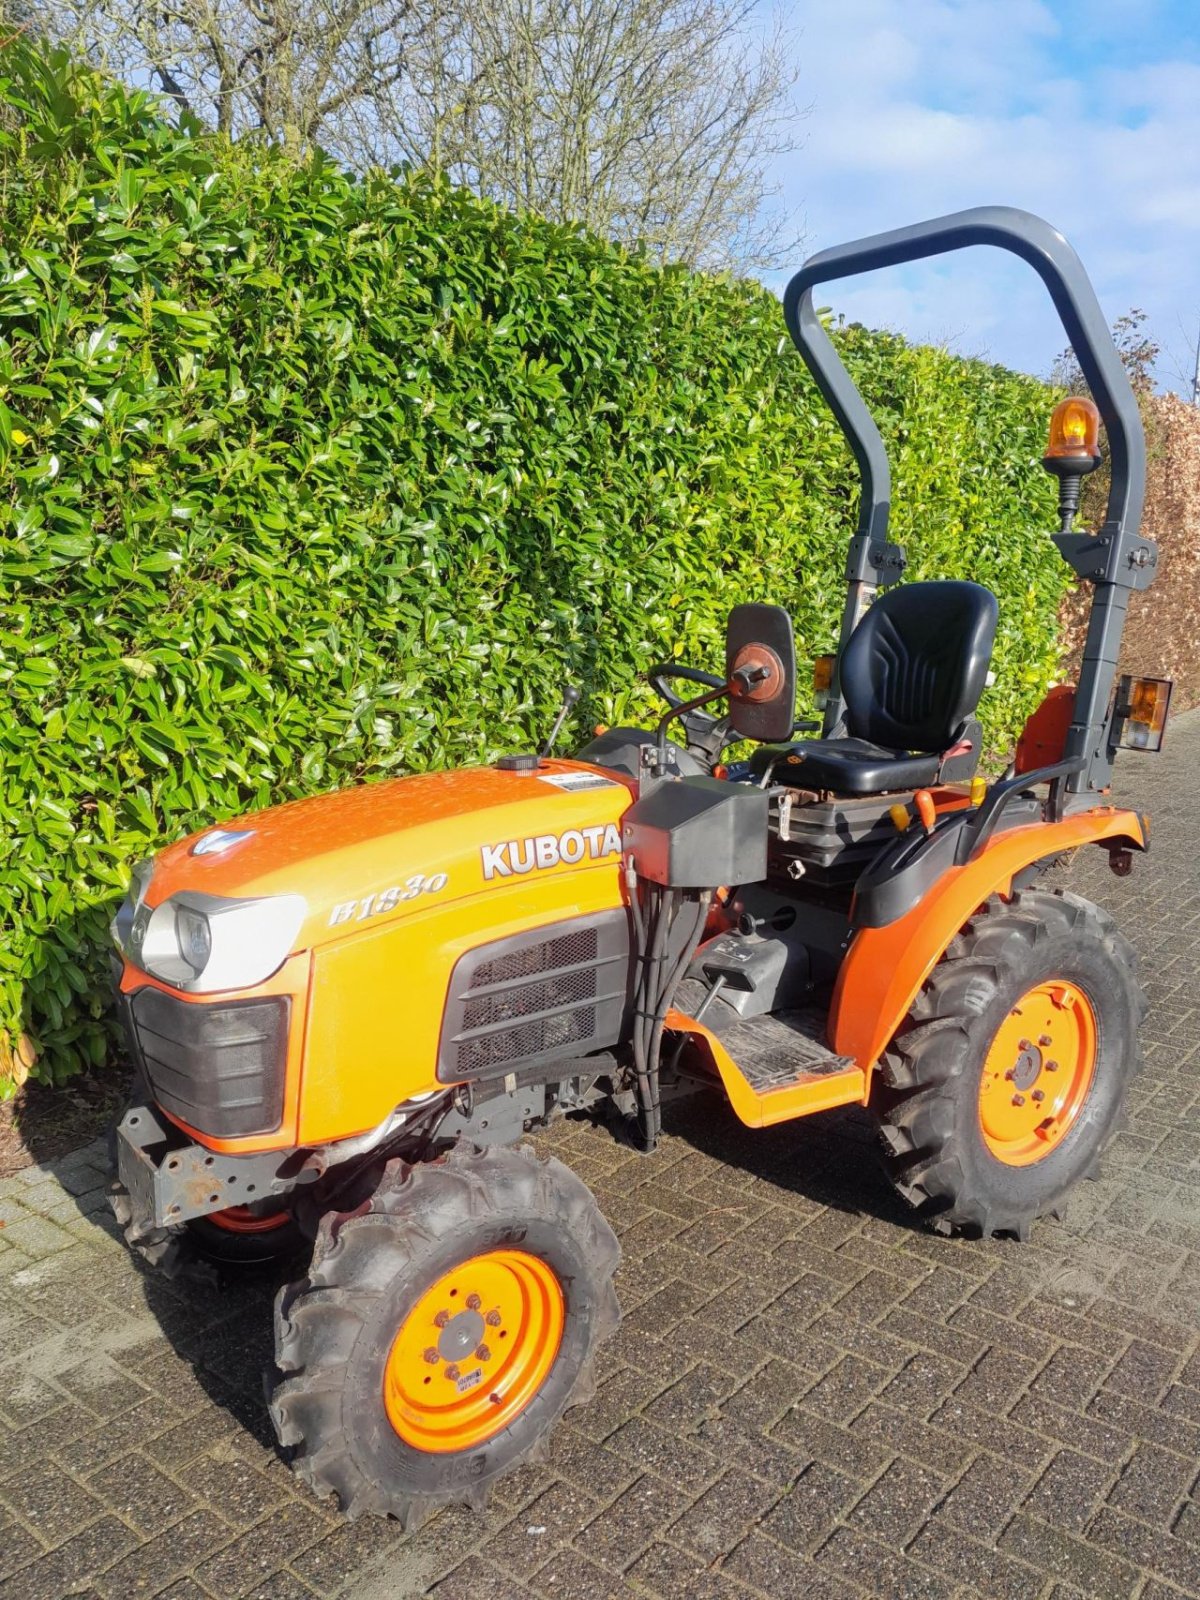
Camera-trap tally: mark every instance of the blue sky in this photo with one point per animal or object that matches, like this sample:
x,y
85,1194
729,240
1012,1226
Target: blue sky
x,y
1088,114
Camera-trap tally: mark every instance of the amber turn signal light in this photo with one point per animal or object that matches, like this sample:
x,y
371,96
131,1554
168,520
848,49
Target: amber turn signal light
x,y
1141,714
822,680
901,817
1074,435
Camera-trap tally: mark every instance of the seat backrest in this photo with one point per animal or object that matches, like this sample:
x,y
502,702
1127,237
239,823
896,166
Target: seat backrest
x,y
916,665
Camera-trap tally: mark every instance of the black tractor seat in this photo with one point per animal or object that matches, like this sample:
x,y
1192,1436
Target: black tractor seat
x,y
911,677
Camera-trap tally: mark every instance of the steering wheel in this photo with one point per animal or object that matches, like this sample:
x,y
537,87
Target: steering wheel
x,y
706,734
659,678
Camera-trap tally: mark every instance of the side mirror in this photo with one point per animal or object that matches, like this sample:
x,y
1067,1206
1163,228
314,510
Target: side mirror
x,y
760,669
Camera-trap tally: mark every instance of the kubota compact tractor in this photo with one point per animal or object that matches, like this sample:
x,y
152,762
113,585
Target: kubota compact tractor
x,y
346,1011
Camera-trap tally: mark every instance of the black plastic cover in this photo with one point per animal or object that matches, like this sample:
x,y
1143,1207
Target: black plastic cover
x,y
217,1066
698,833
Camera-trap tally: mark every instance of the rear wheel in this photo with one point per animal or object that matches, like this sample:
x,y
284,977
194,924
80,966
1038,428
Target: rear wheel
x,y
442,1330
1006,1082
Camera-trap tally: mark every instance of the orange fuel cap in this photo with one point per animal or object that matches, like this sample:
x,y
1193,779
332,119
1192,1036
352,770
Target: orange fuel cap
x,y
926,809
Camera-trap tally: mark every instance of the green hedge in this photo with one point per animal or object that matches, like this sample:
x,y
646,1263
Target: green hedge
x,y
305,480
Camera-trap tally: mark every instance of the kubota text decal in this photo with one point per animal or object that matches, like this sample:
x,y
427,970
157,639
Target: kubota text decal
x,y
549,850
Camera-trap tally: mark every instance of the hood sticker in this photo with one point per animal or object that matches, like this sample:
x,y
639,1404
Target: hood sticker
x,y
578,780
544,850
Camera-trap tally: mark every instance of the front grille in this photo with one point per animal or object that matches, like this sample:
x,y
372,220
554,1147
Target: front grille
x,y
533,999
545,955
218,1067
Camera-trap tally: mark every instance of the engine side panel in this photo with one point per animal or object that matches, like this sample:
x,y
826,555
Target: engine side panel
x,y
378,998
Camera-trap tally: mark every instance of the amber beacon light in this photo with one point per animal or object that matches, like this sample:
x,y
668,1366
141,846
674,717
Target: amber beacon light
x,y
1072,451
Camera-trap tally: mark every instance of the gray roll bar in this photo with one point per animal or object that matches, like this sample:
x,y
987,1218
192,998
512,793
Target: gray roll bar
x,y
1115,560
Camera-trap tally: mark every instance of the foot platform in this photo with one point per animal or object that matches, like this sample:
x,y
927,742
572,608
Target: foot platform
x,y
773,1067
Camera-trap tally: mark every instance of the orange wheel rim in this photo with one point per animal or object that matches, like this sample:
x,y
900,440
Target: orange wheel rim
x,y
241,1219
474,1351
1038,1073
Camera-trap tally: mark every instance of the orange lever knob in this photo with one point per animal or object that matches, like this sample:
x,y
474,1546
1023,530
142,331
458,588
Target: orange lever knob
x,y
926,809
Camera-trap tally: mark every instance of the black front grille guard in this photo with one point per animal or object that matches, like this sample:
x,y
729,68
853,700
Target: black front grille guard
x,y
1116,560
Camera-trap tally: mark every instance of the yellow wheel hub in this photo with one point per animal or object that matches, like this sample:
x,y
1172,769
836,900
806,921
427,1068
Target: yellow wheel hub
x,y
473,1351
1038,1073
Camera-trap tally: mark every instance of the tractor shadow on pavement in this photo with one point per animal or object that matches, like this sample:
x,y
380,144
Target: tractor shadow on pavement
x,y
828,1158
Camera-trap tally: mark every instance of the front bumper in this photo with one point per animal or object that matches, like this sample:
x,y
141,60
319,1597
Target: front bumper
x,y
169,1180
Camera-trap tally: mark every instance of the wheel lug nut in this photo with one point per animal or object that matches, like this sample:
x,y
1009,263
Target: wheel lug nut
x,y
1010,1074
473,1302
1044,1040
492,1319
1039,1095
1023,1044
1018,1100
432,1356
1052,1066
442,1318
482,1353
452,1373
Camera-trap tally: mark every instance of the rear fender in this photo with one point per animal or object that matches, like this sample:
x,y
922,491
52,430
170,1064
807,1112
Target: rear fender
x,y
885,967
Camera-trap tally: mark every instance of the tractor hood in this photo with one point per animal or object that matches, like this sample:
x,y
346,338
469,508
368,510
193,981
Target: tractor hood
x,y
386,850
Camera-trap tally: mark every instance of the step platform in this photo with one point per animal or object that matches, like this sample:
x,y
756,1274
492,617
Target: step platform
x,y
773,1067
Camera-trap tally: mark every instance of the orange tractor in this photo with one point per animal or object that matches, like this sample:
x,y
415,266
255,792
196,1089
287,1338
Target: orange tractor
x,y
345,1012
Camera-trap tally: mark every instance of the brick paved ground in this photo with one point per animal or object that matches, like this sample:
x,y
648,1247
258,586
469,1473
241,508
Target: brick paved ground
x,y
808,1397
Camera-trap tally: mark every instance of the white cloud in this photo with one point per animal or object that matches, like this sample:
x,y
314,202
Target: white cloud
x,y
926,106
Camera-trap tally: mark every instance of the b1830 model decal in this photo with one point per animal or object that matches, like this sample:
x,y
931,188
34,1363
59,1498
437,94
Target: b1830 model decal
x,y
374,905
549,850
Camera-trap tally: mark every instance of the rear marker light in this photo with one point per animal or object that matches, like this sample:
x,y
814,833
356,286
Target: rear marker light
x,y
1141,712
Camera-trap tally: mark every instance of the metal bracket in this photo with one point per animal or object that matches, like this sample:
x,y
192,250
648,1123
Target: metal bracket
x,y
875,560
1091,556
500,1119
170,1180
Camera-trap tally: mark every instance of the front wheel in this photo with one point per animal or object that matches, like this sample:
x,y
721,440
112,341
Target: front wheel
x,y
1006,1081
442,1330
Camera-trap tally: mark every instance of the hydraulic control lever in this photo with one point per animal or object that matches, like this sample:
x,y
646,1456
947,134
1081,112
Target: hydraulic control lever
x,y
570,699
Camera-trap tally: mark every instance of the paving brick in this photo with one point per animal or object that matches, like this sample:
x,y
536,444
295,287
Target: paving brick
x,y
1145,1422
843,1391
51,1503
152,1566
881,1571
898,1502
1069,1491
570,1576
764,1458
803,1518
972,1564
71,1565
670,1573
1143,1372
983,1428
681,1460
18,1547
924,1383
477,1579
1086,1432
1153,1483
619,1533
140,1494
808,1434
774,1570
1174,1559
1103,1576
723,1515
557,1516
1071,1377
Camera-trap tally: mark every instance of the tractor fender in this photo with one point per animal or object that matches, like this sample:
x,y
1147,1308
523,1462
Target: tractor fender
x,y
885,967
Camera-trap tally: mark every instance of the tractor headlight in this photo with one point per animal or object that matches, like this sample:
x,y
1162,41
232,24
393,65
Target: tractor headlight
x,y
201,942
